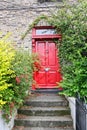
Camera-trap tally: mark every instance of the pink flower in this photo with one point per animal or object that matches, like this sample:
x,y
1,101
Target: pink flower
x,y
17,80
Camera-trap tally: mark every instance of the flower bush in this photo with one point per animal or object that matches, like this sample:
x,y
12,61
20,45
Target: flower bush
x,y
37,63
16,72
23,67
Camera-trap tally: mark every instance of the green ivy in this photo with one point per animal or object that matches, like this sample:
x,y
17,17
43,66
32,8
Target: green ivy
x,y
34,23
71,22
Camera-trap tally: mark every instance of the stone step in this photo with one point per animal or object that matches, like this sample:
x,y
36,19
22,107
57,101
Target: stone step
x,y
41,128
44,111
47,91
43,121
46,100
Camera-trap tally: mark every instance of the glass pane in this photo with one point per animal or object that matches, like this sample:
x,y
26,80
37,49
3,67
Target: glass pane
x,y
45,31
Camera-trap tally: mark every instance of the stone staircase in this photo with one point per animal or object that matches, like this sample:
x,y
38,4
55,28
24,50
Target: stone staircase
x,y
44,112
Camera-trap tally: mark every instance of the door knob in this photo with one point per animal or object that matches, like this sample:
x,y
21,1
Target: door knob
x,y
47,69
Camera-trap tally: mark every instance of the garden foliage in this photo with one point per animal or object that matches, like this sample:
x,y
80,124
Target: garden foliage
x,y
6,73
16,71
16,67
72,20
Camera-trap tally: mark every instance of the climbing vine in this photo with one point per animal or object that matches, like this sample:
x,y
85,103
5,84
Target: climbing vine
x,y
73,50
71,22
34,23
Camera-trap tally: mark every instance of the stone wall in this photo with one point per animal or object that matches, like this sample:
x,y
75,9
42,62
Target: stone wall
x,y
16,15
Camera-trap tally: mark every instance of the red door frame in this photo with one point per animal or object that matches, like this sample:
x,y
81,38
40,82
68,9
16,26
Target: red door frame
x,y
36,37
51,36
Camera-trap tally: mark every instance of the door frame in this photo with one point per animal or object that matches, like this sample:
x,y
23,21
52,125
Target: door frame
x,y
46,36
36,37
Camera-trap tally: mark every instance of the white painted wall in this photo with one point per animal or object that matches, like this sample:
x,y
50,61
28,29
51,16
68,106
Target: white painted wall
x,y
4,125
72,105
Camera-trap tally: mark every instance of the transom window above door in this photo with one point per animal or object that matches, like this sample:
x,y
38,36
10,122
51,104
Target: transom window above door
x,y
45,31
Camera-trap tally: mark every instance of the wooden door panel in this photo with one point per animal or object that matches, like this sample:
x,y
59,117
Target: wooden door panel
x,y
51,54
41,74
52,77
41,77
48,75
40,49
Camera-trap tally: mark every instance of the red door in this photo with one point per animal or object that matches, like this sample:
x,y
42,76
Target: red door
x,y
48,76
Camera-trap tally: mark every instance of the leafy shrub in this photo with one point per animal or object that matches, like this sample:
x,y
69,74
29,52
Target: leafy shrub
x,y
22,66
7,54
72,20
16,72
